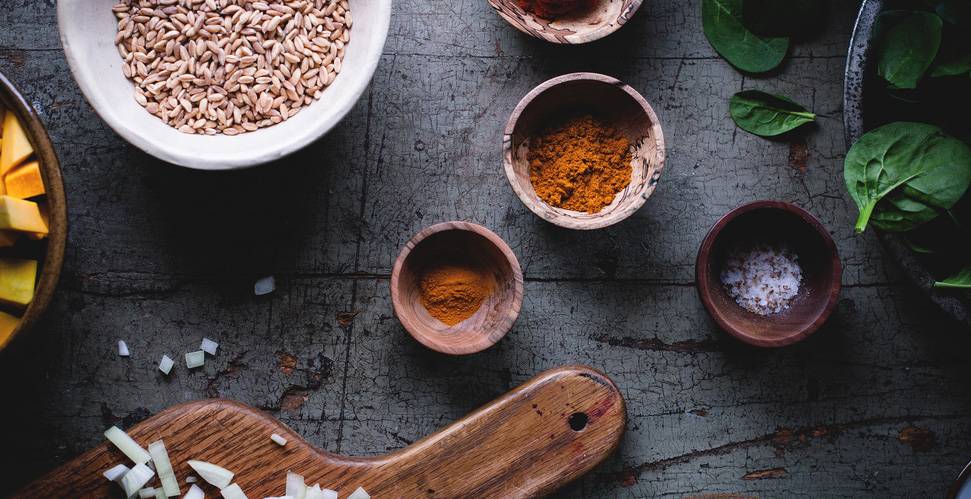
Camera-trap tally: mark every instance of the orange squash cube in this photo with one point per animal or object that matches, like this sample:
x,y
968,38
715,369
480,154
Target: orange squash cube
x,y
25,181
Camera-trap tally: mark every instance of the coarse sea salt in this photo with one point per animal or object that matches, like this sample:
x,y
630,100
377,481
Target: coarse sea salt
x,y
762,278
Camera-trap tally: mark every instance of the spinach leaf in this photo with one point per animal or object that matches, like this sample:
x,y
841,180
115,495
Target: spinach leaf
x,y
722,23
790,18
767,115
956,66
961,280
905,174
907,47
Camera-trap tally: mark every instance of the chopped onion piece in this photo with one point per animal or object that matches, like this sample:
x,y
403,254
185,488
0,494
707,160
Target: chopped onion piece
x,y
278,497
328,494
146,493
233,492
190,479
194,493
166,364
123,348
278,439
216,475
359,494
136,479
195,359
316,492
128,446
264,286
209,346
164,467
116,472
160,494
296,488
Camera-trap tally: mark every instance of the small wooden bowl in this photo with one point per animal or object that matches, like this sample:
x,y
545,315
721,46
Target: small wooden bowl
x,y
608,99
772,222
463,242
51,254
585,25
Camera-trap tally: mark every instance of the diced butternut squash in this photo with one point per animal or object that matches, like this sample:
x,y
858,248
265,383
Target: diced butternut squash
x,y
25,181
17,278
7,324
45,215
15,147
21,215
8,238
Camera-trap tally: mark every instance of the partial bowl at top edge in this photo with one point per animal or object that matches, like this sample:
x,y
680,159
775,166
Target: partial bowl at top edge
x,y
53,257
608,99
594,23
87,31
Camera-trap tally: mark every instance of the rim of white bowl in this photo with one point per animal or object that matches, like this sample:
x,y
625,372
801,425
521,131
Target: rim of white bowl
x,y
382,23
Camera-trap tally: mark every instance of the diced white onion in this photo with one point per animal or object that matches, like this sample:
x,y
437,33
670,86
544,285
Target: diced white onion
x,y
233,492
278,497
126,445
146,493
123,348
360,493
216,475
313,492
160,494
296,487
278,439
209,346
264,286
328,494
136,479
194,493
166,364
164,467
190,479
116,472
195,359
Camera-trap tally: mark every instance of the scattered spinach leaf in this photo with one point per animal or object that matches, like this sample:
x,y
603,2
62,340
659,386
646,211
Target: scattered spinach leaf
x,y
766,114
961,280
907,47
722,23
904,174
789,18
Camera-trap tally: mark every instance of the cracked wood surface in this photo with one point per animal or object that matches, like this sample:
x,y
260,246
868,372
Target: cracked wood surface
x,y
874,405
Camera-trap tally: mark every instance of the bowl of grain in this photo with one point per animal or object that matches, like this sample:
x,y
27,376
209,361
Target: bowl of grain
x,y
221,85
583,151
457,287
566,21
768,273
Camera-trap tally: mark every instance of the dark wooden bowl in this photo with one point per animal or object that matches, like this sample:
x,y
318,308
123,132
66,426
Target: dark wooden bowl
x,y
51,255
461,242
585,25
607,99
773,222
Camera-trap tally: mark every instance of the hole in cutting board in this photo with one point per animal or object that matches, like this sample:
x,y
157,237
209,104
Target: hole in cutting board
x,y
578,421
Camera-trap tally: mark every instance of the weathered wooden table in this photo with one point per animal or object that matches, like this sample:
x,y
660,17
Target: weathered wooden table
x,y
874,405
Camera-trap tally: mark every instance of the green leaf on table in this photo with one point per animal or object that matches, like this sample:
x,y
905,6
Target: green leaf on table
x,y
767,115
904,174
747,51
952,66
961,280
907,46
790,18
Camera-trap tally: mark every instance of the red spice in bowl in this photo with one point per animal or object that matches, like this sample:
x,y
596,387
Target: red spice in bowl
x,y
549,9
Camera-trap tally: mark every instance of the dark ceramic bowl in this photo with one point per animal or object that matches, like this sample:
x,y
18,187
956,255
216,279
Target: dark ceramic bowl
x,y
774,222
50,251
866,107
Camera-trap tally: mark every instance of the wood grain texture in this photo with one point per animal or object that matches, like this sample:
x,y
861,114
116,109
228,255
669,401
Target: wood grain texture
x,y
607,99
601,19
472,245
525,444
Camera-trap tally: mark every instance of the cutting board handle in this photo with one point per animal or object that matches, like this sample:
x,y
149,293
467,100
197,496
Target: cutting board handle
x,y
529,442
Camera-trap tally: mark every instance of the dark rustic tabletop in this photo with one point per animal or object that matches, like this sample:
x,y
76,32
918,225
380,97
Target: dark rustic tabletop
x,y
876,404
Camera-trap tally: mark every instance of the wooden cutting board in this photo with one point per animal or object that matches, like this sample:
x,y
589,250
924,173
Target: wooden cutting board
x,y
529,442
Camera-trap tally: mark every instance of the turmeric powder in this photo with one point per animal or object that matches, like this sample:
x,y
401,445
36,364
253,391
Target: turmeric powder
x,y
452,293
580,165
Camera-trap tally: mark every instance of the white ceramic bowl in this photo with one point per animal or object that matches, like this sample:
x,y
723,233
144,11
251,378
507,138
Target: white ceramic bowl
x,y
88,29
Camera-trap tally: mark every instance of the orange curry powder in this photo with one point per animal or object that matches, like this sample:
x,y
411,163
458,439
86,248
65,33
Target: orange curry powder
x,y
452,293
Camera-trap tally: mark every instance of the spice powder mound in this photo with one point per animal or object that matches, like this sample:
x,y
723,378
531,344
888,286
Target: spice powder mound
x,y
452,293
580,165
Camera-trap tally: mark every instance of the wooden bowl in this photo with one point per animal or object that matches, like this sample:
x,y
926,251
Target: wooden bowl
x,y
50,251
585,25
771,222
468,243
607,99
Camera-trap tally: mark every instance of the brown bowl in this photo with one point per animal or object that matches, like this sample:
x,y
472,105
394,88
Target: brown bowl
x,y
602,18
607,99
771,222
467,243
51,256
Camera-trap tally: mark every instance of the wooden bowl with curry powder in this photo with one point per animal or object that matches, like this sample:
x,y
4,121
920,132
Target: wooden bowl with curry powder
x,y
457,287
602,114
